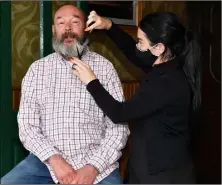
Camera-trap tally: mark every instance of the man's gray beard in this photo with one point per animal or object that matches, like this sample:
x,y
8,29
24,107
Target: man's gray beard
x,y
69,51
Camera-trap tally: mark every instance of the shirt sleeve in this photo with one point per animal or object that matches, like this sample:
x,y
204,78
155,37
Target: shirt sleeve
x,y
30,132
116,135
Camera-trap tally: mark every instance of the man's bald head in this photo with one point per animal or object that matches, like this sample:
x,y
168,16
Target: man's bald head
x,y
69,9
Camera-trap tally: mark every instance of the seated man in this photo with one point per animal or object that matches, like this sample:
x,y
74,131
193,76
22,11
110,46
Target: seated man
x,y
69,138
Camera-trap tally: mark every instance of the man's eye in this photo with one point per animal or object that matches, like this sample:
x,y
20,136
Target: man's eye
x,y
139,41
61,23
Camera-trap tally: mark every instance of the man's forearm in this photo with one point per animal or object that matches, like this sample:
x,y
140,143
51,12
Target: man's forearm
x,y
34,141
43,153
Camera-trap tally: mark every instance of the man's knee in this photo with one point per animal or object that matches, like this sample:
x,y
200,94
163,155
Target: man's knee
x,y
29,171
4,180
9,179
113,178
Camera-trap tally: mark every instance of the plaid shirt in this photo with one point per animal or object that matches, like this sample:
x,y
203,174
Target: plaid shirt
x,y
58,116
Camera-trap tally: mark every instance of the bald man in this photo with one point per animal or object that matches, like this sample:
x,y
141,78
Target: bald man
x,y
69,138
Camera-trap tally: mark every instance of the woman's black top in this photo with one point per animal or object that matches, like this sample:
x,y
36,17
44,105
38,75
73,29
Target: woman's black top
x,y
158,112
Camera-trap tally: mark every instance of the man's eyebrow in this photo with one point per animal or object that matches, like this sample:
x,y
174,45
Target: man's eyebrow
x,y
74,15
59,17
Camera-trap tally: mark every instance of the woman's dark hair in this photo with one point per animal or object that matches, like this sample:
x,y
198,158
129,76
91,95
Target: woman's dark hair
x,y
165,28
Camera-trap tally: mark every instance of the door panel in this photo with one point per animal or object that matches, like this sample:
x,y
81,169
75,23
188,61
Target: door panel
x,y
207,147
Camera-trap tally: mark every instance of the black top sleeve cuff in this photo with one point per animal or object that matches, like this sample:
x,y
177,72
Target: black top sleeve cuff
x,y
113,29
94,86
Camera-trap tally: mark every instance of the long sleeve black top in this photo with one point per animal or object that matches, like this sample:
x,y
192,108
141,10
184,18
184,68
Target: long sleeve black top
x,y
158,112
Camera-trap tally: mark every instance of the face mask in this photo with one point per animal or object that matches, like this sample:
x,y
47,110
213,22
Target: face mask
x,y
146,57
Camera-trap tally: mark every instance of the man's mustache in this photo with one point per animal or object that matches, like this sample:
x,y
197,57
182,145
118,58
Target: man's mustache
x,y
70,35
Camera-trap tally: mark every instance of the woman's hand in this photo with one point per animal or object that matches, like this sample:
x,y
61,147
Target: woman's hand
x,y
83,71
97,22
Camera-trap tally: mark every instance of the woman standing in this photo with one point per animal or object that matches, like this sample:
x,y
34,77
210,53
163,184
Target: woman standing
x,y
162,107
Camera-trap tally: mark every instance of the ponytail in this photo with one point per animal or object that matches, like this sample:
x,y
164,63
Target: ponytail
x,y
193,67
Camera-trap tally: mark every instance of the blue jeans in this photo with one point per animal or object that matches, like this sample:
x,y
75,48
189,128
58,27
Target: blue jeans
x,y
32,171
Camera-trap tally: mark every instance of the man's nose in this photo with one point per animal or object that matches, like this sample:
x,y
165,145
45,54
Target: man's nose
x,y
68,27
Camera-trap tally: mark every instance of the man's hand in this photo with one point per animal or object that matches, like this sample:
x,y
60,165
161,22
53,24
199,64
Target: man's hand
x,y
85,175
63,170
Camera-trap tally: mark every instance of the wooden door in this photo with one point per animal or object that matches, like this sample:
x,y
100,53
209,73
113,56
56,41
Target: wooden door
x,y
205,18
